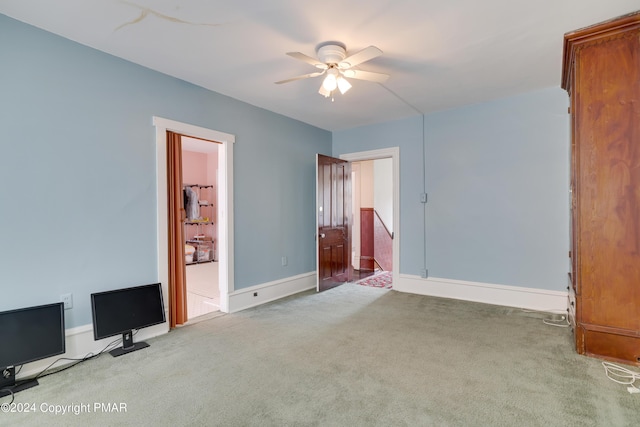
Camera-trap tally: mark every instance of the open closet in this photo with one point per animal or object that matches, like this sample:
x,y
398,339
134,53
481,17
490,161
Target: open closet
x,y
200,190
199,224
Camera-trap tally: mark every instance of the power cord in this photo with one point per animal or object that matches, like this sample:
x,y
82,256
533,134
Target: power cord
x,y
88,356
622,375
42,374
8,390
562,323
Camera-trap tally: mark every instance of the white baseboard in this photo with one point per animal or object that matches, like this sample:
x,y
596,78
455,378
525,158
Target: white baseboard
x,y
271,291
80,343
510,296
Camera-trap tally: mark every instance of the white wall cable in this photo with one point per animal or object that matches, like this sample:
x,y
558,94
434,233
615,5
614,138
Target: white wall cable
x,y
562,323
622,375
424,170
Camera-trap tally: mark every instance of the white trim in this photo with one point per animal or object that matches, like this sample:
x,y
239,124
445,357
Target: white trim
x,y
161,194
192,130
316,231
80,343
225,197
384,153
356,205
510,296
244,298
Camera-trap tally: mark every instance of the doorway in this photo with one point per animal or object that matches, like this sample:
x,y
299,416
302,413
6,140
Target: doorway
x,y
372,243
224,211
391,206
200,186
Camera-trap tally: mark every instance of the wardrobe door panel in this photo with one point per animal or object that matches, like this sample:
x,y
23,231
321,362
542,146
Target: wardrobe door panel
x,y
601,72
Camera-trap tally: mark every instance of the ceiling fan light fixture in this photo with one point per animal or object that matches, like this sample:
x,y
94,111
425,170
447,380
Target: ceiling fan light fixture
x,y
333,60
330,82
324,92
343,85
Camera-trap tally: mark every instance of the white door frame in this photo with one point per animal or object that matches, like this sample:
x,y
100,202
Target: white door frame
x,y
394,154
225,201
355,207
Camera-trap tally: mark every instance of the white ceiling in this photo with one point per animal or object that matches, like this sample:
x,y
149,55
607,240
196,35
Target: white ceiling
x,y
440,54
198,145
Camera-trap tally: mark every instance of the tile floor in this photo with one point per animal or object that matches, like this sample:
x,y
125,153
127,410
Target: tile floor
x,y
203,294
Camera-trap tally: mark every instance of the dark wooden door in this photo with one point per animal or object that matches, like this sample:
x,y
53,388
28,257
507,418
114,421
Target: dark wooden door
x,y
334,221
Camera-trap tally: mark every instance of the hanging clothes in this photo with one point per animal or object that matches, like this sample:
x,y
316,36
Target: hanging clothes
x,y
191,206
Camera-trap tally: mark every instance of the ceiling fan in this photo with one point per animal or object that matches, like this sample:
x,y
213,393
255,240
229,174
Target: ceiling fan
x,y
334,62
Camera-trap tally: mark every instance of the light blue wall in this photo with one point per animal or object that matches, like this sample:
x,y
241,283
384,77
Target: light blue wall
x,y
78,173
497,179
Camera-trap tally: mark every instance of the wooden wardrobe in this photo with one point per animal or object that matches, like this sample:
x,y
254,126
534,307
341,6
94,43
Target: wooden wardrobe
x,y
601,73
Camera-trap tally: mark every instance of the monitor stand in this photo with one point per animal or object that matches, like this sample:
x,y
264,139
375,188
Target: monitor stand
x,y
8,383
128,345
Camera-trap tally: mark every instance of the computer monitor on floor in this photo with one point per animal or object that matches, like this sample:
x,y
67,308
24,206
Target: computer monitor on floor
x,y
27,335
122,311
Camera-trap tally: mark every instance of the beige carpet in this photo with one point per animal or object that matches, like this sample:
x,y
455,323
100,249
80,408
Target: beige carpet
x,y
350,356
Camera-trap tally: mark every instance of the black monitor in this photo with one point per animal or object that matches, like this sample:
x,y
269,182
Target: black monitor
x,y
26,335
122,310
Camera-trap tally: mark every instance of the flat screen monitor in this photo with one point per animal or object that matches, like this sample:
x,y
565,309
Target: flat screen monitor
x,y
27,335
122,311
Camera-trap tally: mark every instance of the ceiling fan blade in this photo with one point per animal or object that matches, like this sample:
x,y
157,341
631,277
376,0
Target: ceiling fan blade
x,y
366,75
359,57
304,76
309,60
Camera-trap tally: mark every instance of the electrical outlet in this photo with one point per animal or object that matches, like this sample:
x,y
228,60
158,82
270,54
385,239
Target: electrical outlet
x,y
67,299
424,273
284,261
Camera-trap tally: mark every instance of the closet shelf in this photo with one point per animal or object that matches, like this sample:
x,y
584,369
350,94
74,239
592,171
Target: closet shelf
x,y
198,185
199,225
196,241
